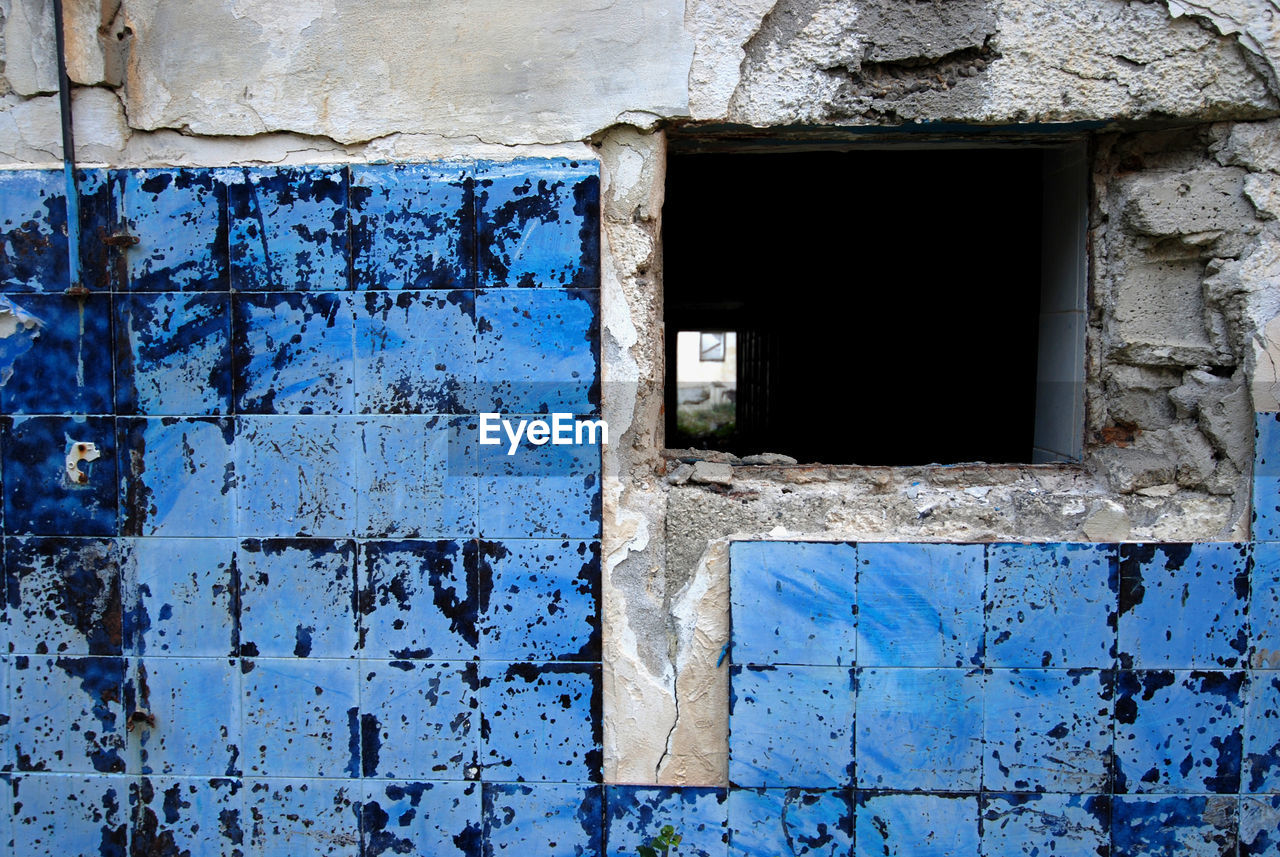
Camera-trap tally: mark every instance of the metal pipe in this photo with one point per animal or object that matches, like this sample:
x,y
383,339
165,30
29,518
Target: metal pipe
x,y
68,156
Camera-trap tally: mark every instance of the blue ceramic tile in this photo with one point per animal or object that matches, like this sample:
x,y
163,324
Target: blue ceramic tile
x,y
539,600
1266,478
443,819
1260,827
288,228
542,491
67,714
300,718
183,598
298,598
63,596
915,826
103,265
541,722
6,746
546,819
793,602
1262,734
23,330
1048,730
173,354
416,477
303,818
41,497
180,220
1051,605
33,237
187,816
7,786
1183,826
536,351
919,729
70,815
61,365
1054,825
195,706
920,605
415,352
297,475
412,226
791,726
417,600
769,822
1264,607
634,815
1183,606
294,353
538,223
177,477
1179,732
419,720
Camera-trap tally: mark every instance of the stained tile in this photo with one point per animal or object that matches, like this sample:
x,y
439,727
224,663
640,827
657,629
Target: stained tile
x,y
1264,606
42,456
173,354
417,599
416,477
539,600
177,477
33,237
303,818
793,602
920,605
536,351
541,722
1260,826
542,491
70,815
103,265
58,363
63,596
1048,730
1183,606
1183,826
768,822
419,720
412,226
1051,605
896,825
179,217
187,816
8,784
538,223
1060,825
195,705
300,718
634,815
1266,478
298,598
182,596
6,746
919,729
301,475
547,819
791,726
1179,732
67,714
288,228
443,819
293,353
1262,734
415,351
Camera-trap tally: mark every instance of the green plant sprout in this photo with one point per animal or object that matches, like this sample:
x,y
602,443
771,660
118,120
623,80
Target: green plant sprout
x,y
661,845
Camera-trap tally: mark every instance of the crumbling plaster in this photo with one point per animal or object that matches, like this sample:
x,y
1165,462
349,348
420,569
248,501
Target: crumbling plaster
x,y
1185,241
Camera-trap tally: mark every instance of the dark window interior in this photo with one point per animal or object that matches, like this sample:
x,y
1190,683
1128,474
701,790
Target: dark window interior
x,y
885,301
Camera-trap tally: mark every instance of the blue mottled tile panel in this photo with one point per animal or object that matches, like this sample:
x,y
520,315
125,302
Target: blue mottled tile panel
x,y
182,598
546,819
1180,826
63,596
416,477
793,602
301,718
33,236
634,815
187,816
443,819
61,365
173,354
415,352
1051,605
900,825
68,714
303,818
1266,478
769,822
1029,825
417,600
538,223
1264,607
177,477
71,815
541,722
180,219
1262,734
288,228
539,600
542,491
195,706
298,598
1179,732
59,475
301,474
419,720
920,605
791,726
1260,827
